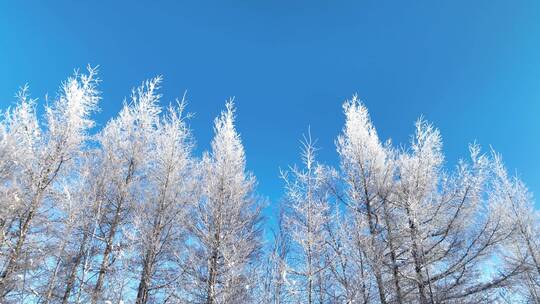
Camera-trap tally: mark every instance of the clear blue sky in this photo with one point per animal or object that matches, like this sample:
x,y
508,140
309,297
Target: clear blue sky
x,y
473,70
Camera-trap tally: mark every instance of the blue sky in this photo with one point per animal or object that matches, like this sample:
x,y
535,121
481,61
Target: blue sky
x,y
472,70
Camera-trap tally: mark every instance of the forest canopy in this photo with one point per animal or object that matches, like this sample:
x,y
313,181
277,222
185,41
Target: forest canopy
x,y
129,214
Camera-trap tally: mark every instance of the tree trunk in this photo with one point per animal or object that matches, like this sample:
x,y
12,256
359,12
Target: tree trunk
x,y
212,275
212,270
106,253
417,258
110,238
70,282
395,268
11,266
52,280
148,265
149,256
376,269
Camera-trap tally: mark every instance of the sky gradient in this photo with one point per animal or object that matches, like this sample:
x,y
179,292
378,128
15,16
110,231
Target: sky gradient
x,y
472,70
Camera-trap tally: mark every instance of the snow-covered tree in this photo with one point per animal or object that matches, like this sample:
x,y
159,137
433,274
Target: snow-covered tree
x,y
41,155
274,271
159,217
126,143
431,232
523,248
307,213
225,239
367,172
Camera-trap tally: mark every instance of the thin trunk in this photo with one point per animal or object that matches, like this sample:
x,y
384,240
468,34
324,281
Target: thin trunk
x,y
15,255
309,252
86,252
365,295
376,269
393,259
11,266
321,287
142,290
110,238
106,253
417,256
149,257
50,285
310,301
212,271
148,265
213,263
85,267
70,282
212,276
52,280
532,252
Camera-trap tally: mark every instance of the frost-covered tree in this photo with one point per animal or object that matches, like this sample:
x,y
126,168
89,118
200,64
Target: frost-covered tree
x,y
452,221
65,234
523,248
431,232
274,276
349,268
160,215
80,209
126,143
367,173
41,155
225,239
307,214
